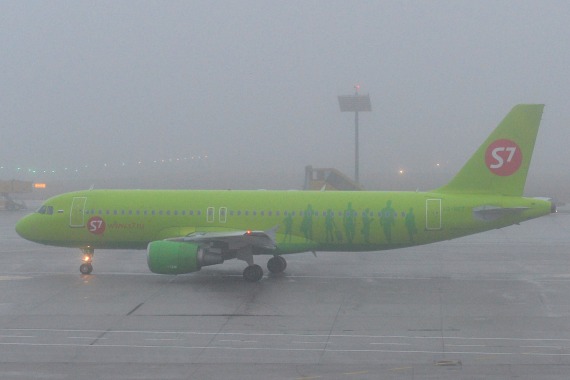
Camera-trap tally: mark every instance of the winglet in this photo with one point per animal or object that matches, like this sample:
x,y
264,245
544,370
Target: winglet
x,y
501,164
272,234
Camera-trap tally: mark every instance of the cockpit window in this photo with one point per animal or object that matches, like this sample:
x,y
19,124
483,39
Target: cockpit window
x,y
47,210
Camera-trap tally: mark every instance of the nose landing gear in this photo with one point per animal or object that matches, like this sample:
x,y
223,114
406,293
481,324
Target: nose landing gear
x,y
87,267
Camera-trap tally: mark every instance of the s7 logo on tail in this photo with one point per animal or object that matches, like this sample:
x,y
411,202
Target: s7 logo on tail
x,y
503,157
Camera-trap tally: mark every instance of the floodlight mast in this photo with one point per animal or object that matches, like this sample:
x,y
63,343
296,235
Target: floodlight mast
x,y
355,103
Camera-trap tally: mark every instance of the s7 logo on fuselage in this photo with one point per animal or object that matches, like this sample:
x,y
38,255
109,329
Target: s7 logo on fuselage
x,y
503,157
96,225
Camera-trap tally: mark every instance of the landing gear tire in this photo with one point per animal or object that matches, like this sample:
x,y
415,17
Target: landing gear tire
x,y
253,273
276,264
86,268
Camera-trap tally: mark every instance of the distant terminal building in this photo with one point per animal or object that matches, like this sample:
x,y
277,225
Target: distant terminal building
x,y
328,179
15,187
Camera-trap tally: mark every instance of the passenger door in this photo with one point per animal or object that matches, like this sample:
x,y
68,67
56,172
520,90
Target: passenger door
x,y
77,213
433,214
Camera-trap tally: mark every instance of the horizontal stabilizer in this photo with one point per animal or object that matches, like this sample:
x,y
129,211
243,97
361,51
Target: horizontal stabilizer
x,y
490,213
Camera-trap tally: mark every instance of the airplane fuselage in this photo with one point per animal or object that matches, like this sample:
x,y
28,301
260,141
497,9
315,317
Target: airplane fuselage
x,y
305,221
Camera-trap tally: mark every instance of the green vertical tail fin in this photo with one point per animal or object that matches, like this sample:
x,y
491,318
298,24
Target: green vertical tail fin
x,y
500,165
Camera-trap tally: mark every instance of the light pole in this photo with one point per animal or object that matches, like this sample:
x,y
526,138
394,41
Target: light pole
x,y
355,103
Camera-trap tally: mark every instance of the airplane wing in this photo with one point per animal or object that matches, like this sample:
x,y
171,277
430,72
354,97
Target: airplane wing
x,y
234,239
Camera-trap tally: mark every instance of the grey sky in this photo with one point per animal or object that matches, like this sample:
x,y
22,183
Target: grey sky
x,y
253,84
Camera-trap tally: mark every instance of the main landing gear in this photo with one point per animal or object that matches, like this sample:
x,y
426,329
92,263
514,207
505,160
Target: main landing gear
x,y
87,267
254,273
276,264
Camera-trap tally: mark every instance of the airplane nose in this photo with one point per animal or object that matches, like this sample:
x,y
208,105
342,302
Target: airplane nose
x,y
23,227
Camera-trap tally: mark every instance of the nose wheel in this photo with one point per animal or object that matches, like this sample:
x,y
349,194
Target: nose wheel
x,y
87,267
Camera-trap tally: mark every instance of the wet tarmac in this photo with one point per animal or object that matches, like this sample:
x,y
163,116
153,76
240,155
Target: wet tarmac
x,y
490,306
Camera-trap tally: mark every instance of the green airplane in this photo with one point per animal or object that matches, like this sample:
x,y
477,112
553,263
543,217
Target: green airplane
x,y
185,230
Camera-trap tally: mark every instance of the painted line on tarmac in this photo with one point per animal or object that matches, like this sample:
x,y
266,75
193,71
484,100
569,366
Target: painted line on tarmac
x,y
346,351
12,278
252,334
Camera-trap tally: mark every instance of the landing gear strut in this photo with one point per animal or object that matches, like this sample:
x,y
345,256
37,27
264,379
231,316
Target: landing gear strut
x,y
253,272
87,267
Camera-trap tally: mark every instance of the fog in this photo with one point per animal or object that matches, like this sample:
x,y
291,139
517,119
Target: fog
x,y
243,94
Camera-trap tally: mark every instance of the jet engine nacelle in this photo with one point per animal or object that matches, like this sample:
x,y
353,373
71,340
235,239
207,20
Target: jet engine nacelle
x,y
171,257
